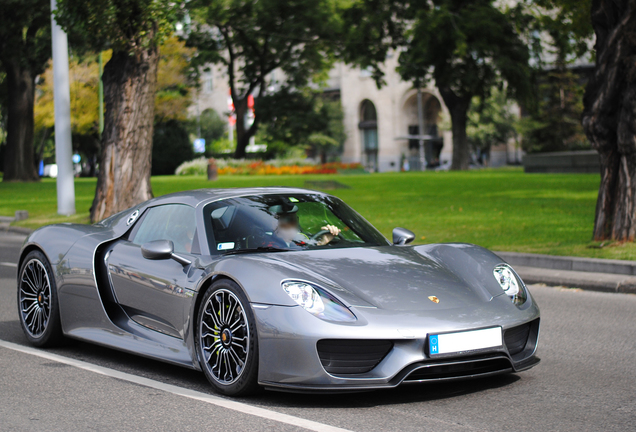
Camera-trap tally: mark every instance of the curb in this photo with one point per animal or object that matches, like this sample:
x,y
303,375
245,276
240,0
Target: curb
x,y
576,264
588,281
15,230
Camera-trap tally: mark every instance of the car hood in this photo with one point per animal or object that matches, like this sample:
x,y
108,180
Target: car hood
x,y
398,278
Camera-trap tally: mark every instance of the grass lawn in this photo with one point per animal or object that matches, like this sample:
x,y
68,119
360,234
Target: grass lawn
x,y
502,209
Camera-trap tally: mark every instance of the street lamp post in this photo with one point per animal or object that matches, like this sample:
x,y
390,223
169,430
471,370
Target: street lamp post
x,y
62,104
420,123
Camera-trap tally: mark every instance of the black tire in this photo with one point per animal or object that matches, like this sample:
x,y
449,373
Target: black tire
x,y
38,306
224,342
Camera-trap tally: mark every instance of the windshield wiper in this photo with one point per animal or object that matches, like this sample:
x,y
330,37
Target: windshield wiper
x,y
258,249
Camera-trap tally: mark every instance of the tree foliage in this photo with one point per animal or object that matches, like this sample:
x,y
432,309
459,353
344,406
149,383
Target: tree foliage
x,y
568,24
303,118
212,127
171,147
174,81
555,123
253,38
129,25
84,80
491,122
25,34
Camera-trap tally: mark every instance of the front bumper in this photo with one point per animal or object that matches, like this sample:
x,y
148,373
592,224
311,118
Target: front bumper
x,y
289,358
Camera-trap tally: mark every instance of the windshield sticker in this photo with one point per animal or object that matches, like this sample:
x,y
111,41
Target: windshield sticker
x,y
225,246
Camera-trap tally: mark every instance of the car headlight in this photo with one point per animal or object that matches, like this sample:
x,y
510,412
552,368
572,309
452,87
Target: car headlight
x,y
511,284
317,301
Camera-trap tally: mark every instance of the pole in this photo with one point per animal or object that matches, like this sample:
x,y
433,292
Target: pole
x,y
198,117
420,122
101,94
62,104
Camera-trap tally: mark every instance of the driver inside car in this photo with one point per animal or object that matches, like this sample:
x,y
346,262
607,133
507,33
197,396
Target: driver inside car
x,y
288,228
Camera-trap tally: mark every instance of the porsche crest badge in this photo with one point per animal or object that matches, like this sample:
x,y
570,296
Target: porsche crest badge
x,y
433,299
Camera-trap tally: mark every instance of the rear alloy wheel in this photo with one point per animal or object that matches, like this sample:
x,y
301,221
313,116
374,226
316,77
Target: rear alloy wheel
x,y
37,301
226,340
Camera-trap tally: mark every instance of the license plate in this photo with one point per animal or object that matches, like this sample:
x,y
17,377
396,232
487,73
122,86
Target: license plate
x,y
449,343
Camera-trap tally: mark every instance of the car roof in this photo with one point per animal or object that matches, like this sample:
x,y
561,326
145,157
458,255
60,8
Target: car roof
x,y
119,222
200,197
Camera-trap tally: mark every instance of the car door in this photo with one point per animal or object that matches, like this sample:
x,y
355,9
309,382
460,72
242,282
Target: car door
x,y
152,292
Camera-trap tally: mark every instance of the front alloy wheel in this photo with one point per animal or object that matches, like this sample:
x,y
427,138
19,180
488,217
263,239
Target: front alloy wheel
x,y
37,301
226,339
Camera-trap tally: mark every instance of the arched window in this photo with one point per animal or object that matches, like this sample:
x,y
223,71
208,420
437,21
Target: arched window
x,y
369,128
433,143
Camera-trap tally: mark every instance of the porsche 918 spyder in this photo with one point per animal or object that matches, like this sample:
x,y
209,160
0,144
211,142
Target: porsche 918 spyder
x,y
281,288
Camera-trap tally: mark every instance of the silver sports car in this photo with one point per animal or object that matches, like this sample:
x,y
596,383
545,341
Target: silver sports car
x,y
280,288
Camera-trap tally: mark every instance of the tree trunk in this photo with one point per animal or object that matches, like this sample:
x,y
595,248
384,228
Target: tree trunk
x,y
19,163
130,82
609,117
458,107
242,138
243,133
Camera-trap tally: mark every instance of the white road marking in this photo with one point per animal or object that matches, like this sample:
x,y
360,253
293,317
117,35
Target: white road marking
x,y
180,391
7,264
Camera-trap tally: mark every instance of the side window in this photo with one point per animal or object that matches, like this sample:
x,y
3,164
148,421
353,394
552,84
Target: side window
x,y
174,222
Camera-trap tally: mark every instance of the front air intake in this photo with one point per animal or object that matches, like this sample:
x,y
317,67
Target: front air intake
x,y
352,356
516,338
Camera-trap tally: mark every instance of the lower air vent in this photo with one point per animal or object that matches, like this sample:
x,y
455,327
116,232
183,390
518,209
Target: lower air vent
x,y
459,368
516,338
352,356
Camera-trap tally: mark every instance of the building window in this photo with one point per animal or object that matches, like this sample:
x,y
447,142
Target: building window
x,y
208,82
366,72
369,128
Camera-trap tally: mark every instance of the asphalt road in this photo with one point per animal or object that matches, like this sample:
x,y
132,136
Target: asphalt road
x,y
585,382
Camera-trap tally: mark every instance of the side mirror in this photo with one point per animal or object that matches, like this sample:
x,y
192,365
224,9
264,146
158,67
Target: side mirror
x,y
162,249
402,236
157,250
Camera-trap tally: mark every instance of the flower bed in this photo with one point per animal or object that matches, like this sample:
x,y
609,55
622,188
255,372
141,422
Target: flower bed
x,y
262,168
275,167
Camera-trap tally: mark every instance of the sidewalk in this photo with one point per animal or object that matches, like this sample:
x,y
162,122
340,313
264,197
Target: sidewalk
x,y
573,272
5,226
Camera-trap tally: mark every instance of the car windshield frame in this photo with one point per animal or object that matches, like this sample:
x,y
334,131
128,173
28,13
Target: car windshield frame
x,y
356,225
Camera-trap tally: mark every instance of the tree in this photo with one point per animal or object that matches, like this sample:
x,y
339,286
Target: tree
x,y
174,81
609,117
133,29
171,143
84,77
25,47
491,122
554,119
466,47
171,147
252,38
211,127
555,123
568,25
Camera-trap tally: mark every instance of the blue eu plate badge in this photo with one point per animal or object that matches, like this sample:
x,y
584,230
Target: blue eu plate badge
x,y
434,347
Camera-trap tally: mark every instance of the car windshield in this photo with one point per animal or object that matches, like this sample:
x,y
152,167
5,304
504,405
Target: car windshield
x,y
286,222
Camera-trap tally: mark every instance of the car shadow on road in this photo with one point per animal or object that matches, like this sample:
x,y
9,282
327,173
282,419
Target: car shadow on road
x,y
408,393
11,331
